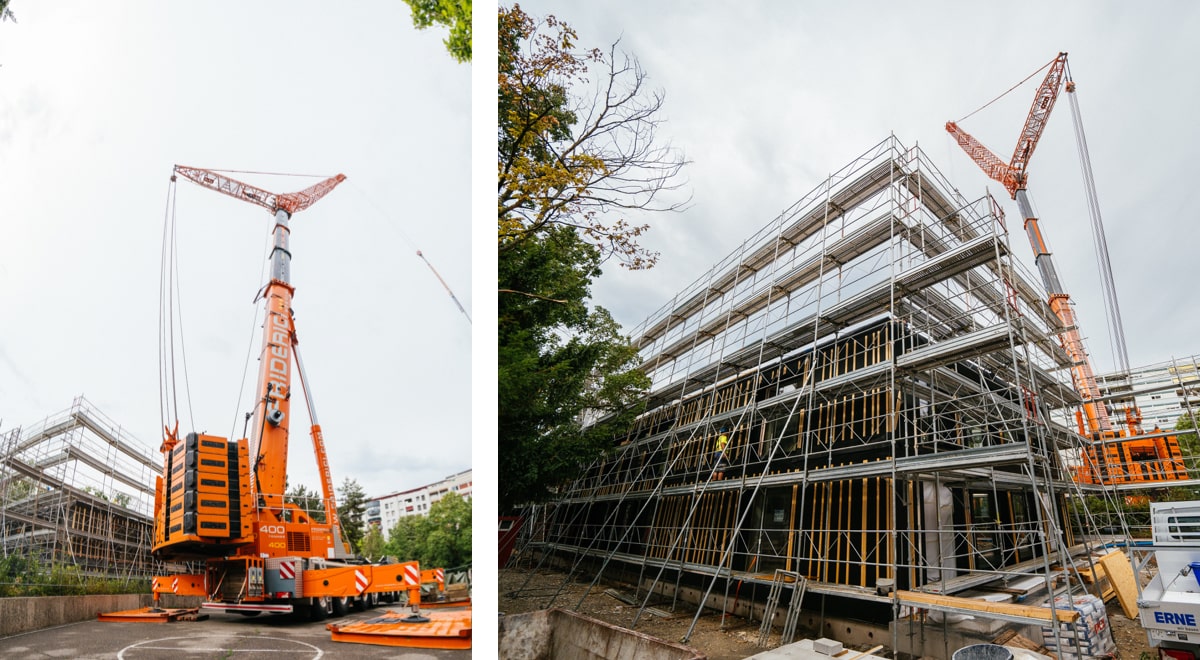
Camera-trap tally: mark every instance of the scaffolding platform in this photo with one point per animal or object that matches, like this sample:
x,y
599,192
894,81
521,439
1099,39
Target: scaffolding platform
x,y
153,615
443,630
77,488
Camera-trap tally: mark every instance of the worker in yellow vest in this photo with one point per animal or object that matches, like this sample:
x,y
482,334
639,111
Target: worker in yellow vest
x,y
720,461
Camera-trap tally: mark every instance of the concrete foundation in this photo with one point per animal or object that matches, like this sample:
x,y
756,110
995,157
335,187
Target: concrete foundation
x,y
847,631
555,633
19,615
941,641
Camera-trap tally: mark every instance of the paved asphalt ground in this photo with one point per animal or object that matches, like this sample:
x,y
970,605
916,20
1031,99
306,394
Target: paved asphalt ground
x,y
221,637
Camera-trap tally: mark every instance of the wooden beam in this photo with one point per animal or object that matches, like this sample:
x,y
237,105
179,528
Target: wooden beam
x,y
916,599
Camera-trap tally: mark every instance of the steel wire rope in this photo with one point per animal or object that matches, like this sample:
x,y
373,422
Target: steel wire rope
x,y
250,344
1112,307
311,176
177,305
1008,91
163,405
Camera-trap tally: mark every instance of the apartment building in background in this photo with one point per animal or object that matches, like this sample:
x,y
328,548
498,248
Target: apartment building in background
x,y
387,510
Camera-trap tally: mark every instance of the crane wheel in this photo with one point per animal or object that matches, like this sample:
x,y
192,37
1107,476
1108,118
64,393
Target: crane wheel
x,y
340,606
321,608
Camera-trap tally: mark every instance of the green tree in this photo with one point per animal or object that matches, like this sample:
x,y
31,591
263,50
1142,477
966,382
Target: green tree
x,y
18,488
454,14
406,540
353,503
442,538
556,361
568,161
308,500
373,544
448,539
1189,444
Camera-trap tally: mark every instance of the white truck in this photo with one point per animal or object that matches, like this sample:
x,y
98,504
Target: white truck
x,y
1170,605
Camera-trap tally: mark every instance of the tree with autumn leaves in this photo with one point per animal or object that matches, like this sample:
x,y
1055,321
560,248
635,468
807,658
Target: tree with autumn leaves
x,y
577,150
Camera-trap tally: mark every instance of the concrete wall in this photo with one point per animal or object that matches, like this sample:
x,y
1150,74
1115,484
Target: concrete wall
x,y
555,633
18,615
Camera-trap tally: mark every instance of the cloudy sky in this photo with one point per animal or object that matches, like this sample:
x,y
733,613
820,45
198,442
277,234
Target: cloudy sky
x,y
99,100
768,98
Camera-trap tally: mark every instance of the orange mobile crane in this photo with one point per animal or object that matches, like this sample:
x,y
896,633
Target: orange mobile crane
x,y
1115,456
221,502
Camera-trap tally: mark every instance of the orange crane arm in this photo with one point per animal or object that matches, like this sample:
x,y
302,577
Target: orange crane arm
x,y
1013,174
989,162
1014,177
290,202
1039,112
271,419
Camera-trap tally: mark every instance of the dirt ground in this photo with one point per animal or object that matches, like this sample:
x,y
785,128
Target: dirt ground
x,y
732,639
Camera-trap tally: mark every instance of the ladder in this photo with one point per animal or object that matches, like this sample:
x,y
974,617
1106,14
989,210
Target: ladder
x,y
799,586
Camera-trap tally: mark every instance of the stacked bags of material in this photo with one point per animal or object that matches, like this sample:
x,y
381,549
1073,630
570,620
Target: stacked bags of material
x,y
1095,638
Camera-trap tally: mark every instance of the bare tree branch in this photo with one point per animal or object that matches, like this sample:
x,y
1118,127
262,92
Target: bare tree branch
x,y
581,160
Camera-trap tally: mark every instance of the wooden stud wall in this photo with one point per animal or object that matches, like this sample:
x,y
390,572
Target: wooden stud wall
x,y
838,532
845,537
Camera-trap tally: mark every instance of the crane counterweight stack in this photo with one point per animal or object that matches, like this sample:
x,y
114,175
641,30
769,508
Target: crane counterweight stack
x,y
1114,456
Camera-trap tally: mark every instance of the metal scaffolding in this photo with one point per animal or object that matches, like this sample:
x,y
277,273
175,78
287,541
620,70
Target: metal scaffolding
x,y
884,373
77,488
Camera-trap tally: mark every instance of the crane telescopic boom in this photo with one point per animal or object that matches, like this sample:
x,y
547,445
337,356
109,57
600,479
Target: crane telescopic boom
x,y
271,423
1123,459
1014,176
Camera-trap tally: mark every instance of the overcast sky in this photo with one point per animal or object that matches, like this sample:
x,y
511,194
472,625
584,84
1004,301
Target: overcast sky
x,y
99,100
768,98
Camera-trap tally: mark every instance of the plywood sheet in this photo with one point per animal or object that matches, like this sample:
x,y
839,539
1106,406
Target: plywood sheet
x,y
1120,575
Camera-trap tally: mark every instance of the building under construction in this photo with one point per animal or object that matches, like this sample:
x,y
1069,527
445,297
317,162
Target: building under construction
x,y
891,388
77,489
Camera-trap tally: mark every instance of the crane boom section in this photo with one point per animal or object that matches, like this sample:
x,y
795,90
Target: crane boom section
x,y
269,441
293,202
1014,177
1039,112
987,161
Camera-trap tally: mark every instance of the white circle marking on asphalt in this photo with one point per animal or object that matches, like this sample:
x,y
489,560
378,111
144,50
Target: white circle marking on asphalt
x,y
121,653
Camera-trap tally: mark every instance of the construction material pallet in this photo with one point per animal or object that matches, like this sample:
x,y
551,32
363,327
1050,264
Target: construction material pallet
x,y
152,615
443,630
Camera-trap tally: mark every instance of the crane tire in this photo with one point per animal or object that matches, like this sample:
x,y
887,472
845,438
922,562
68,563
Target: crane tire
x,y
340,606
322,607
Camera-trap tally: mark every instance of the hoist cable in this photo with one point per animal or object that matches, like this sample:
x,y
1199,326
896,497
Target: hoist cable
x,y
1010,89
1112,307
171,318
163,407
178,296
250,345
311,176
